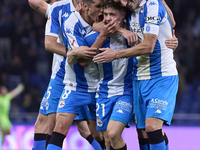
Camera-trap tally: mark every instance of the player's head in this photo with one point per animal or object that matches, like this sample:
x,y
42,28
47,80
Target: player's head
x,y
130,4
52,1
3,90
113,10
94,9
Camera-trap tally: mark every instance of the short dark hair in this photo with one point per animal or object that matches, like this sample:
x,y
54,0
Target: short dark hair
x,y
87,1
112,4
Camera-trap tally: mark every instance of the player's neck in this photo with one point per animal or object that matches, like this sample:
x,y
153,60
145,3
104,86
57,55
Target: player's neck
x,y
86,18
74,3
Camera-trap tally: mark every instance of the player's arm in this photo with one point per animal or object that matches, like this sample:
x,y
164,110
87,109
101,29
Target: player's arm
x,y
146,47
39,6
52,30
131,37
51,45
80,53
15,92
171,16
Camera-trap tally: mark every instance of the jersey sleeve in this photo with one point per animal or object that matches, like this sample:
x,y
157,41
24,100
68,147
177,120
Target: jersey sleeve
x,y
154,13
48,11
52,25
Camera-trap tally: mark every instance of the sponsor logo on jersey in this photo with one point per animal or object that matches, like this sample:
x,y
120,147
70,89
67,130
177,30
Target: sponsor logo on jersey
x,y
135,27
65,15
61,104
155,18
47,105
99,122
152,3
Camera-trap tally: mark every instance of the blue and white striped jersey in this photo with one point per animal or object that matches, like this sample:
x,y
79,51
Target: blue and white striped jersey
x,y
58,11
83,79
116,76
151,17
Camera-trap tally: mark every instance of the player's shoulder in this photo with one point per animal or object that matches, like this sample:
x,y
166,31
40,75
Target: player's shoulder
x,y
152,3
60,4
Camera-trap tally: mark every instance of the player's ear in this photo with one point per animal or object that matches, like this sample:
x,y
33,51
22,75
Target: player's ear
x,y
124,13
85,6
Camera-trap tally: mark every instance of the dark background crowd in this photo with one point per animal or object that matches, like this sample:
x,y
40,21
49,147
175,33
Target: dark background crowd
x,y
23,58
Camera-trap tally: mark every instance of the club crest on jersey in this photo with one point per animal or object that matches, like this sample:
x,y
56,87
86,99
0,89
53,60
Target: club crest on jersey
x,y
148,28
99,122
142,10
47,105
61,104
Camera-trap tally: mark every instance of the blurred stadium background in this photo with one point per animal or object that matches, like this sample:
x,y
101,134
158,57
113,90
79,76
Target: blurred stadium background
x,y
23,59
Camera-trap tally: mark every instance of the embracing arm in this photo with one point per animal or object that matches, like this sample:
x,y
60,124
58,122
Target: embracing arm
x,y
171,16
39,6
146,47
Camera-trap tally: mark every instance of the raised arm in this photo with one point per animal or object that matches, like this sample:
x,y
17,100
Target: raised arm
x,y
39,6
15,92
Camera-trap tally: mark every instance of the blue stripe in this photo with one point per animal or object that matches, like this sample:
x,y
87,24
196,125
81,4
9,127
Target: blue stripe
x,y
128,77
142,16
61,72
80,78
54,23
108,75
135,62
155,61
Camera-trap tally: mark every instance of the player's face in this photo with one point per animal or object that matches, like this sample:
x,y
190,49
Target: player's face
x,y
95,10
111,13
3,90
130,4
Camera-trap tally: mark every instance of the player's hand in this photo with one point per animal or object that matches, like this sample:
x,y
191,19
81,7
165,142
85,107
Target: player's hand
x,y
21,86
106,56
131,37
85,52
172,42
79,7
110,28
